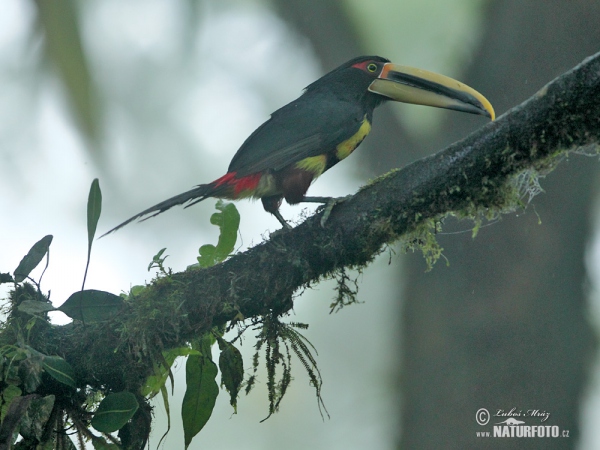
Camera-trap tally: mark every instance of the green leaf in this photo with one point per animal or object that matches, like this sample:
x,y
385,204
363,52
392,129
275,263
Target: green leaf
x,y
114,412
158,260
34,307
201,393
100,443
60,370
155,382
137,290
11,374
228,220
165,396
207,256
33,258
92,305
94,208
231,365
8,394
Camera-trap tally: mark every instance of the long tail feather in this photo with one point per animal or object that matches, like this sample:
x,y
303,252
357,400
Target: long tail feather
x,y
198,194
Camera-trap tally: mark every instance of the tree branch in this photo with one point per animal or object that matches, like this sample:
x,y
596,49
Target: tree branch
x,y
469,174
474,175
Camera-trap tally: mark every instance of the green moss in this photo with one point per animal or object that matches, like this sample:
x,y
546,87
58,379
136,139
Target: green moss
x,y
379,179
423,238
347,289
487,203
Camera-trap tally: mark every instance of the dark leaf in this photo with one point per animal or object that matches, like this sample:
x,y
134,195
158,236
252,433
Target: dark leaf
x,y
231,365
60,370
12,418
114,412
9,393
35,419
35,308
94,208
165,396
30,371
11,376
155,382
6,278
68,445
33,258
201,392
92,305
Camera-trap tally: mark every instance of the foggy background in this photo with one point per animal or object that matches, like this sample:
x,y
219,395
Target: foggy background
x,y
155,96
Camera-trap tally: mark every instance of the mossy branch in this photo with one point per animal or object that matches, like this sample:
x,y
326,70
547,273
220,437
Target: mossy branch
x,y
480,174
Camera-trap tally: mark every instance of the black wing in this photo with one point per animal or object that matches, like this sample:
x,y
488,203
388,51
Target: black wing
x,y
309,126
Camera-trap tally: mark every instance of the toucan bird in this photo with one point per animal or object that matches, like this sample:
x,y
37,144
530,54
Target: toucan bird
x,y
323,126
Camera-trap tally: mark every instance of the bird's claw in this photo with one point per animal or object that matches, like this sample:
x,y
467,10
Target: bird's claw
x,y
329,207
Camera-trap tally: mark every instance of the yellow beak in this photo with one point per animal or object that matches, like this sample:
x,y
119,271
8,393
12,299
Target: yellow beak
x,y
421,87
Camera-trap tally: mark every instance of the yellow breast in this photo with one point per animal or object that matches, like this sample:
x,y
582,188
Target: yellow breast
x,y
345,148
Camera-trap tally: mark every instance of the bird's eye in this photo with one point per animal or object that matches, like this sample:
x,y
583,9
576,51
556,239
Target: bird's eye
x,y
372,67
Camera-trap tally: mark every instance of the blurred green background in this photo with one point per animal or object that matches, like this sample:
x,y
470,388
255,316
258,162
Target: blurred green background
x,y
156,96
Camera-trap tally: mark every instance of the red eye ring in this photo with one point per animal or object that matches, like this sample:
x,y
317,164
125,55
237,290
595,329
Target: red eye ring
x,y
370,66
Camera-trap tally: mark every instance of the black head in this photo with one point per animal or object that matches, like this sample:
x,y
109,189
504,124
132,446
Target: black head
x,y
372,80
352,79
370,66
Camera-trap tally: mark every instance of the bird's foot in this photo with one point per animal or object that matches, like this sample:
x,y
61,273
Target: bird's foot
x,y
272,204
284,225
277,214
329,203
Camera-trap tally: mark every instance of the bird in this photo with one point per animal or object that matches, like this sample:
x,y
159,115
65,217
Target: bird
x,y
308,136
